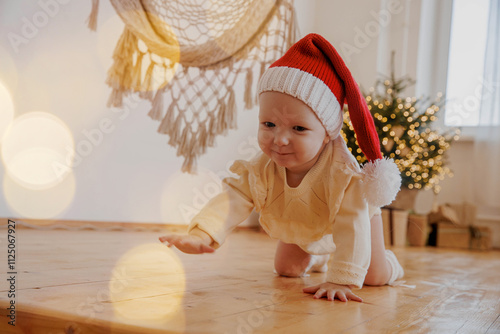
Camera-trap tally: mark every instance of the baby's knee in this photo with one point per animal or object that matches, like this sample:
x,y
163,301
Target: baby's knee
x,y
384,272
289,271
378,273
291,260
375,278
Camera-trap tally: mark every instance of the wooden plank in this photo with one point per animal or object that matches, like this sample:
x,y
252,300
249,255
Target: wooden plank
x,y
495,327
39,320
79,225
482,314
76,225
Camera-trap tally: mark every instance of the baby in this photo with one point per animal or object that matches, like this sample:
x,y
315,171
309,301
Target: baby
x,y
308,188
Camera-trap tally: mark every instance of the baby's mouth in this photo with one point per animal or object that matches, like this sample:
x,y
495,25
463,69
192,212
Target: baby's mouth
x,y
282,153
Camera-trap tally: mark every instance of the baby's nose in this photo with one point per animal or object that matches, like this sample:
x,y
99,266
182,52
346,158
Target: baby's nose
x,y
281,138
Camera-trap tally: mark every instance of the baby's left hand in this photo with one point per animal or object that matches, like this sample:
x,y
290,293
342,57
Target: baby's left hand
x,y
332,290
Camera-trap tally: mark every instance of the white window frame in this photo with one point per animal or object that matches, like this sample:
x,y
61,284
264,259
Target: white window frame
x,y
466,60
433,55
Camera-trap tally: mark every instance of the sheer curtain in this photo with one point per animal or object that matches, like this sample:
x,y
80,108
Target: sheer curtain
x,y
487,139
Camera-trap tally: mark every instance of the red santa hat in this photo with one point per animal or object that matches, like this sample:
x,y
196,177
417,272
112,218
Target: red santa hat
x,y
313,72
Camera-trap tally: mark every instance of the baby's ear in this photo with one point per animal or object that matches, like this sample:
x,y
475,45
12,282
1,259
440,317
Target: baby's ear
x,y
327,139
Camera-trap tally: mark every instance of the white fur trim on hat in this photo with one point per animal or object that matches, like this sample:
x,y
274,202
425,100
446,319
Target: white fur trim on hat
x,y
382,181
310,90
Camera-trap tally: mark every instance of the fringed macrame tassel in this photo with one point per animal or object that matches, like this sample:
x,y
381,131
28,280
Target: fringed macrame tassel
x,y
223,124
195,149
156,111
249,101
115,98
230,118
292,28
189,164
219,118
174,131
119,75
182,149
136,75
168,120
202,139
211,131
92,19
148,84
211,140
185,149
192,148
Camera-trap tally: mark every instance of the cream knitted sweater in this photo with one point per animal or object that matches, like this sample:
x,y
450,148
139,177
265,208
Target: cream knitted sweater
x,y
325,214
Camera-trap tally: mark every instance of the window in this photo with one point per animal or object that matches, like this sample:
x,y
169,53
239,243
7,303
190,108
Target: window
x,y
465,84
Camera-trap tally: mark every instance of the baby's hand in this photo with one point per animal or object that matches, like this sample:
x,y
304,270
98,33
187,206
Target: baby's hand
x,y
190,244
331,290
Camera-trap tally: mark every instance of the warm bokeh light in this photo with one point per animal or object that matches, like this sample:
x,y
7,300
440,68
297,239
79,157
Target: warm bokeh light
x,y
404,126
38,150
39,204
184,195
147,286
6,109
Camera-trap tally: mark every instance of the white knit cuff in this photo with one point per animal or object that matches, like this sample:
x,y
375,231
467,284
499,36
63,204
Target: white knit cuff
x,y
345,273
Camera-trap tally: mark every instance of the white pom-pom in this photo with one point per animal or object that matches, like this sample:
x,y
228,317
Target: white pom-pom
x,y
382,181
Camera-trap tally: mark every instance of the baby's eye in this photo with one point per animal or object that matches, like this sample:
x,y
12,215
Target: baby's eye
x,y
269,124
299,128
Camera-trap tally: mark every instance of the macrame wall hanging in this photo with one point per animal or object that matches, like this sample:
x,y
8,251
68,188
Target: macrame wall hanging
x,y
185,56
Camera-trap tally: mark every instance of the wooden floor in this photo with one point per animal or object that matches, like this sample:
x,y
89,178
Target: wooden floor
x,y
127,282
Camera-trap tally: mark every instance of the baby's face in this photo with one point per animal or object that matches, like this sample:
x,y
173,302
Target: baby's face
x,y
290,132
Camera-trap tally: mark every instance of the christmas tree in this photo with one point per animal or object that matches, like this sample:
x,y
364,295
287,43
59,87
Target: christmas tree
x,y
404,126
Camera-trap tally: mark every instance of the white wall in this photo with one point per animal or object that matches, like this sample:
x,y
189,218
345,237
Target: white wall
x,y
344,24
366,32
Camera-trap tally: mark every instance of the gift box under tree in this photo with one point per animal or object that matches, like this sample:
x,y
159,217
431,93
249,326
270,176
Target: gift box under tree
x,y
454,225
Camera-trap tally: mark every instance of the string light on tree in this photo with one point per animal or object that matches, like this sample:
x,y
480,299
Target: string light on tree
x,y
404,126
